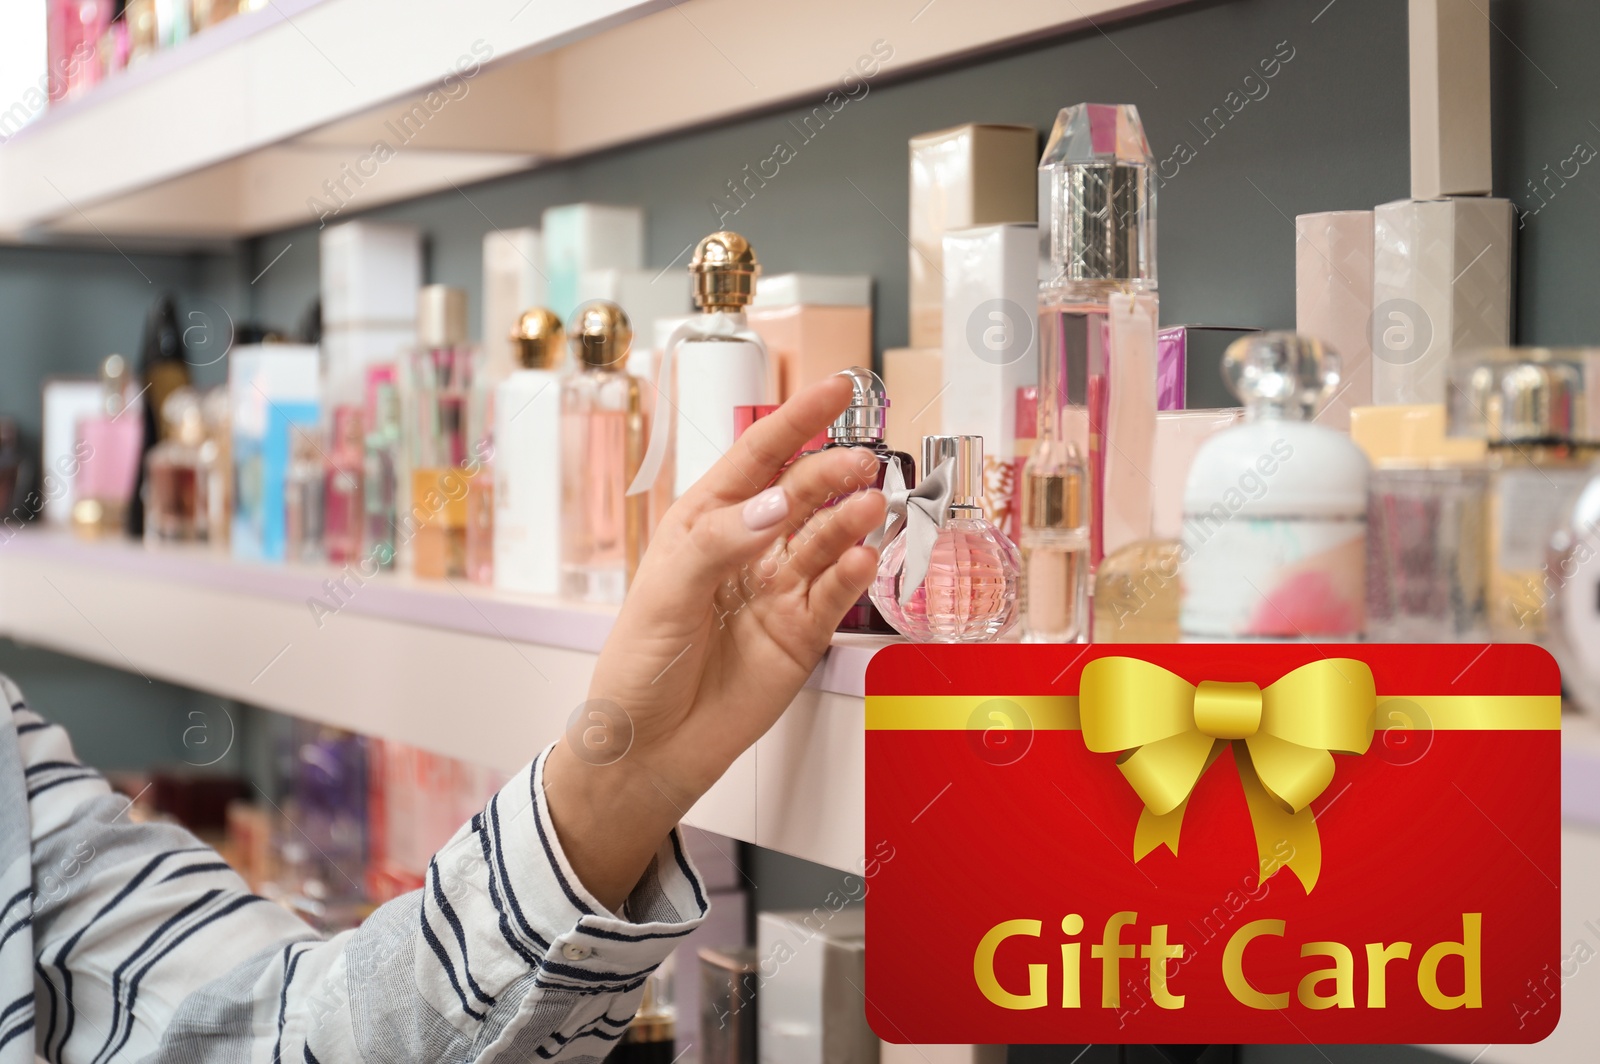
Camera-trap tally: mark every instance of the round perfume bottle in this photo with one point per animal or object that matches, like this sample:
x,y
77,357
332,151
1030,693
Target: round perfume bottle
x,y
970,592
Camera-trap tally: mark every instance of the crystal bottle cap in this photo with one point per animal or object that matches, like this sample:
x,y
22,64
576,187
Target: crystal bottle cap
x,y
600,334
1281,375
966,475
865,420
1097,196
724,268
1522,394
539,339
441,316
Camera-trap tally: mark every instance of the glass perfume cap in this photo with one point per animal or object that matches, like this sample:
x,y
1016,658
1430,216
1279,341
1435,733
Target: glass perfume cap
x,y
1281,374
1523,394
1097,196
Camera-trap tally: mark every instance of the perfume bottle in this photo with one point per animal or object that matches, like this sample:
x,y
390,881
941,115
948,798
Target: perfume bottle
x,y
1136,593
602,445
528,465
441,474
175,506
303,491
1531,406
163,369
216,465
109,446
380,466
864,423
480,498
649,1036
1275,509
1054,520
343,495
1573,571
969,593
712,363
1097,320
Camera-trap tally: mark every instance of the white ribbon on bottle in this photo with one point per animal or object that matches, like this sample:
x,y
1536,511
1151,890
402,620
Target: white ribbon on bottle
x,y
920,512
718,325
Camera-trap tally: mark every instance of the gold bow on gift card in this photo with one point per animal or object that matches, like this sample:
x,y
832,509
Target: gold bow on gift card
x,y
1169,732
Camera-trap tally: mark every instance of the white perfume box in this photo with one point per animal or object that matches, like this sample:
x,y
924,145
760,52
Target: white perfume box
x,y
273,393
991,330
962,177
1450,148
1441,281
348,352
813,1009
914,379
587,236
66,402
513,281
370,274
527,482
1333,300
814,289
646,296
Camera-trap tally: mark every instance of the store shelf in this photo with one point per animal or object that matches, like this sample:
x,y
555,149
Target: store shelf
x,y
238,130
450,667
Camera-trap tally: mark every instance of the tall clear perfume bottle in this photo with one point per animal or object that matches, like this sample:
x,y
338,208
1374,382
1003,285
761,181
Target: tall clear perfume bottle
x,y
344,500
380,467
303,497
109,444
216,465
1054,594
1531,406
864,424
602,445
175,507
1097,354
970,592
441,381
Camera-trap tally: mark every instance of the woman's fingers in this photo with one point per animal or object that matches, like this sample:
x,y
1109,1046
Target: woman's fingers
x,y
756,458
832,531
841,585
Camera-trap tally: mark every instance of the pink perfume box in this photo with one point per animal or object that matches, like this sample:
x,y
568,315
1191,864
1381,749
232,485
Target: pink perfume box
x,y
814,325
1189,366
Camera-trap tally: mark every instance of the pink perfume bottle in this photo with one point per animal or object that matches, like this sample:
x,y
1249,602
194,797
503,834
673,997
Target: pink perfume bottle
x,y
969,593
110,445
344,500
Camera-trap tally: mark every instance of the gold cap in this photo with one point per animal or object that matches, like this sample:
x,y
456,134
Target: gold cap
x,y
538,338
441,316
599,333
724,268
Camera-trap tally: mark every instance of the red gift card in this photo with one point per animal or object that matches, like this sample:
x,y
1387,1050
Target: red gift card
x,y
1237,843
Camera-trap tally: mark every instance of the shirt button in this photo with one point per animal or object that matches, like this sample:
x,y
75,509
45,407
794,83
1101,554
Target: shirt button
x,y
574,952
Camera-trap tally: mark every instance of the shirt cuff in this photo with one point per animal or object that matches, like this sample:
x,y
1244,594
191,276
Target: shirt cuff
x,y
534,913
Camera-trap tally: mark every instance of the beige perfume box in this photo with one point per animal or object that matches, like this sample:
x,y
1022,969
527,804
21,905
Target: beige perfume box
x,y
962,177
1450,149
914,379
1333,301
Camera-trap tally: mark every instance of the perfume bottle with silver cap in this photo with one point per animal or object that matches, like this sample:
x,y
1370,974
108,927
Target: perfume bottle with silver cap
x,y
1097,357
953,580
1531,406
712,363
602,443
864,423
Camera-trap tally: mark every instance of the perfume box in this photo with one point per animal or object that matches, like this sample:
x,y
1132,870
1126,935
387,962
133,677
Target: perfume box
x,y
990,341
914,379
646,296
370,275
273,393
513,281
1333,300
814,325
814,1009
962,177
587,236
66,401
1450,114
1189,366
1441,282
1204,844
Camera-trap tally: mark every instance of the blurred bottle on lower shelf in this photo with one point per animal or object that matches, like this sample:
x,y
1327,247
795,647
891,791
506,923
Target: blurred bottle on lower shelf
x,y
651,1034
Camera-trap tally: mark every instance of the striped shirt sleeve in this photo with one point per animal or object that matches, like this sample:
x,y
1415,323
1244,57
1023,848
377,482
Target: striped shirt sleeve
x,y
147,947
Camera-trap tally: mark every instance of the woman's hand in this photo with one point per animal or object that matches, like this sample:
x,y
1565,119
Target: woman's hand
x,y
725,620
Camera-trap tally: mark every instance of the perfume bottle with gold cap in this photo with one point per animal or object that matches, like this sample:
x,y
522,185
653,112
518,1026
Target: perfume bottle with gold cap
x,y
713,363
441,463
527,462
1530,406
602,445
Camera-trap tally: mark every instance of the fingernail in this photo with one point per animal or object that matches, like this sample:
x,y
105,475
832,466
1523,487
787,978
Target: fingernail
x,y
767,509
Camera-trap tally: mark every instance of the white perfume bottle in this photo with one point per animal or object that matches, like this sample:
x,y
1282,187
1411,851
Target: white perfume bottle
x,y
712,363
527,465
1275,509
